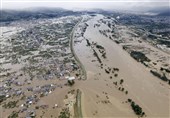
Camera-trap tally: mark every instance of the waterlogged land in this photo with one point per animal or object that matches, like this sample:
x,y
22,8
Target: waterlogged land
x,y
124,72
119,66
35,63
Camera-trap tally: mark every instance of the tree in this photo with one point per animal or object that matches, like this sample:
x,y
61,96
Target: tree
x,y
115,83
119,88
71,82
121,81
13,115
129,100
64,113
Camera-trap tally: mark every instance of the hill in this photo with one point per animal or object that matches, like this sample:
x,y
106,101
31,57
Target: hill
x,y
33,13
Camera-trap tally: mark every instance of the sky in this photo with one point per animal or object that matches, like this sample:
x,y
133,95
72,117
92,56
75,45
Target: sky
x,y
137,5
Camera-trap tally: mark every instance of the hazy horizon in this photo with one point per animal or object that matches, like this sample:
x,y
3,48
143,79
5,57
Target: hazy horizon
x,y
131,5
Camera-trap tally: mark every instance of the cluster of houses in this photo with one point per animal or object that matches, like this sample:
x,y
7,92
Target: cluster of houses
x,y
49,58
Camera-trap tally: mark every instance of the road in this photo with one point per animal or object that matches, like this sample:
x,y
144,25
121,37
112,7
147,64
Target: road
x,y
73,51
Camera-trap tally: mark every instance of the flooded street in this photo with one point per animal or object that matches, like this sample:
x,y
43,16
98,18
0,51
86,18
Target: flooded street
x,y
35,65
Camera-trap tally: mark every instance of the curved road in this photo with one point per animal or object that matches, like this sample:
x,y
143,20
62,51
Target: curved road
x,y
78,98
73,52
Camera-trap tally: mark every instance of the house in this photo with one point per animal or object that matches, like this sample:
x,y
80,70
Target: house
x,y
71,78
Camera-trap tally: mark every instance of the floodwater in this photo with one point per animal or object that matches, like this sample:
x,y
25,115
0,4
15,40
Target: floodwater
x,y
146,90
